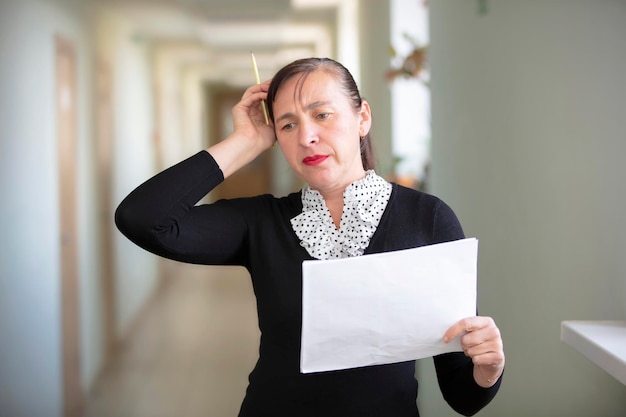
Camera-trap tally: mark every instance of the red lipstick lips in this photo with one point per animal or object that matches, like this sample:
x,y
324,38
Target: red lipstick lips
x,y
314,160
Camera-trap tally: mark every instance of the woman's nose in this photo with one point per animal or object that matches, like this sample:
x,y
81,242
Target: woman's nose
x,y
308,133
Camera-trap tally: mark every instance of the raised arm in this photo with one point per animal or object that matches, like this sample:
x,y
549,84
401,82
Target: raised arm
x,y
161,215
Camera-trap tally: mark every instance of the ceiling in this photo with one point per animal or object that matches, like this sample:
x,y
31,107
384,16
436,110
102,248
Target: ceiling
x,y
217,36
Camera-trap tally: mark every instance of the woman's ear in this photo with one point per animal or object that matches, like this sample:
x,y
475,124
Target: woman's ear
x,y
365,115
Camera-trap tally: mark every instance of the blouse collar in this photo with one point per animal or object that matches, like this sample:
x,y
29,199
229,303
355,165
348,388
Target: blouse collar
x,y
365,201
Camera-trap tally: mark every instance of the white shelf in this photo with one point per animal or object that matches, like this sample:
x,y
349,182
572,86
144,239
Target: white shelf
x,y
602,342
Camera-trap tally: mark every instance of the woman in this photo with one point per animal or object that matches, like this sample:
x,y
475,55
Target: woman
x,y
321,125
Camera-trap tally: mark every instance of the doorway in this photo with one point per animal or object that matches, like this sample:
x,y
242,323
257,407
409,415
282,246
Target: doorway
x,y
104,137
66,109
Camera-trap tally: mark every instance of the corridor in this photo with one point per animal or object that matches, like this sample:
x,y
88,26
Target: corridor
x,y
97,97
190,351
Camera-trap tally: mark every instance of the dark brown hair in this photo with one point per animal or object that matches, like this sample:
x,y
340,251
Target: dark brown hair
x,y
307,66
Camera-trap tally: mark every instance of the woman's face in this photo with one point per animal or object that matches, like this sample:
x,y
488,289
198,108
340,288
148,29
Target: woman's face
x,y
319,131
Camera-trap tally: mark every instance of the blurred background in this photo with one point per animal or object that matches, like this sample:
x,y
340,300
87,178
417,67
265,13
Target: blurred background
x,y
512,112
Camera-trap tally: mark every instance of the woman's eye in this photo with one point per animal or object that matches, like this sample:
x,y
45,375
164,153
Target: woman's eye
x,y
288,126
323,116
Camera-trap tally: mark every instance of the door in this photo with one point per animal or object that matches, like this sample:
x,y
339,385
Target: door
x,y
104,135
66,147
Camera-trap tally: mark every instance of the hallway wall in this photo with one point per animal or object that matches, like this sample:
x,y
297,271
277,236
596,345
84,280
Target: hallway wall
x,y
30,323
30,356
134,155
375,38
528,147
527,142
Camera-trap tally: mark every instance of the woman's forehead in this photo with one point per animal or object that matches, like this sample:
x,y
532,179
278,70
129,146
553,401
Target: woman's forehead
x,y
304,88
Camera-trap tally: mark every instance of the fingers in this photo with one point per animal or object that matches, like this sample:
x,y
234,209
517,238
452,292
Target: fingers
x,y
491,360
249,107
256,89
480,340
479,335
467,325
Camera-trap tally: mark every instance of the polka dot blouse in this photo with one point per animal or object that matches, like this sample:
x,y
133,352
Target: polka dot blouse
x,y
364,203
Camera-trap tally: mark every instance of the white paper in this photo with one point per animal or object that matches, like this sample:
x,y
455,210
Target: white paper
x,y
386,308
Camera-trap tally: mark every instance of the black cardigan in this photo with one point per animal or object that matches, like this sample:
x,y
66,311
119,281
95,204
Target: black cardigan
x,y
162,217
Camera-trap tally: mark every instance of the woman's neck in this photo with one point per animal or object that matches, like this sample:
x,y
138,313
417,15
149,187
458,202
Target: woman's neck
x,y
334,204
334,199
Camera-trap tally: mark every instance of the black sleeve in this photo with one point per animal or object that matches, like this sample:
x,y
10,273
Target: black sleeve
x,y
455,371
456,381
161,216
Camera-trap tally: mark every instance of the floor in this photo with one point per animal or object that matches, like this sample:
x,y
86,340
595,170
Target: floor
x,y
190,353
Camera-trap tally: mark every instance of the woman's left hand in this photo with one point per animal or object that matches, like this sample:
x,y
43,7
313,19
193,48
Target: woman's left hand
x,y
483,344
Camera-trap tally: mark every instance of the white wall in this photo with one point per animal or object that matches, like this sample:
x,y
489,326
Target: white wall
x,y
375,36
30,355
30,327
528,148
135,270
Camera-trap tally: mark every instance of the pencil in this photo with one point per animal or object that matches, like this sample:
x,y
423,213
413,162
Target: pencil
x,y
258,81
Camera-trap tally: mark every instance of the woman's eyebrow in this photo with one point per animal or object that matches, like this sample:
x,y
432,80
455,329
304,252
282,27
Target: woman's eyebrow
x,y
285,116
311,106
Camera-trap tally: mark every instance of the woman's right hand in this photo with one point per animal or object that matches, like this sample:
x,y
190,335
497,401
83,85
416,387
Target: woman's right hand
x,y
251,136
249,120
